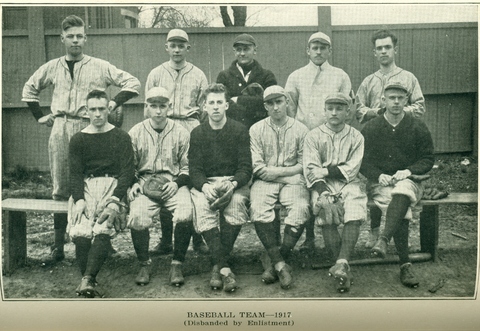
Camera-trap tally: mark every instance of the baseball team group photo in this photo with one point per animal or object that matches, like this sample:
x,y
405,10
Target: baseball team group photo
x,y
148,154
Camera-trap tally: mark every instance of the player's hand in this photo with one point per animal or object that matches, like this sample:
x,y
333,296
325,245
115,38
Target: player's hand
x,y
401,175
78,210
268,174
112,105
134,191
110,214
385,180
316,173
47,120
209,191
169,190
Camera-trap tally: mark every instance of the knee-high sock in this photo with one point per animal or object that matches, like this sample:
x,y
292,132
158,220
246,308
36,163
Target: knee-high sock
x,y
214,243
395,214
333,241
97,255
291,234
310,229
276,223
351,231
141,242
228,235
266,232
60,222
401,241
183,232
82,248
166,224
375,217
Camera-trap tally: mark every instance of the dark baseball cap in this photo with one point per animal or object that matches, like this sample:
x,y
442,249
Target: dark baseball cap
x,y
338,98
244,39
396,86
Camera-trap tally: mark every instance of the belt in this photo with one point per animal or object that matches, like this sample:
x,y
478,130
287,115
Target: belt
x,y
70,117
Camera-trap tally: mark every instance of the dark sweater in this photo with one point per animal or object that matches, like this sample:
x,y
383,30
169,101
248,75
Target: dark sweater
x,y
248,109
388,149
99,154
224,152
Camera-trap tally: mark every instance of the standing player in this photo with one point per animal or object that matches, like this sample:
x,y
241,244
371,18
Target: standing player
x,y
101,170
332,157
160,147
369,97
396,147
185,84
277,151
308,87
72,77
220,164
244,71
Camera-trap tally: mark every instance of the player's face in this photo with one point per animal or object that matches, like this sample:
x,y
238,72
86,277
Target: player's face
x,y
385,51
216,105
318,52
336,113
244,53
277,108
74,39
157,111
394,101
177,50
98,112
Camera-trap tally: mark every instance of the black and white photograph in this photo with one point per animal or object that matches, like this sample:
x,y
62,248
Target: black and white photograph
x,y
250,165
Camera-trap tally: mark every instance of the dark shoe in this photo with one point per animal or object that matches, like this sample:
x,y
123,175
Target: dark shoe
x,y
216,279
163,248
56,255
143,277
380,248
229,283
87,289
269,276
372,237
343,277
201,248
176,276
285,277
407,277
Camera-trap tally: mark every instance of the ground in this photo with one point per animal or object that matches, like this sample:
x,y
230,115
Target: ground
x,y
456,264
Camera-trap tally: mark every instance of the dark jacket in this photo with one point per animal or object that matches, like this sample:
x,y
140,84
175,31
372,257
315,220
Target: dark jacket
x,y
248,109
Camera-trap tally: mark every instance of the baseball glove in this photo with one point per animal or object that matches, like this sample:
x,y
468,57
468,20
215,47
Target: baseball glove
x,y
116,117
224,192
253,90
330,209
434,193
153,187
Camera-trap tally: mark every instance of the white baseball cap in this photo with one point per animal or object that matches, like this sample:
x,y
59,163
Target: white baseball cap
x,y
177,34
320,37
158,94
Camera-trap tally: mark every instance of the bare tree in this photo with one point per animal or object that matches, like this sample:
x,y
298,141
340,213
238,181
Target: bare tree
x,y
177,17
239,15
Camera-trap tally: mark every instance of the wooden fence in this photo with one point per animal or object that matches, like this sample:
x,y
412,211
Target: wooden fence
x,y
444,58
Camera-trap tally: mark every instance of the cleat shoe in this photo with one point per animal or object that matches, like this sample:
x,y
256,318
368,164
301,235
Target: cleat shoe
x,y
269,276
229,283
285,277
372,238
407,277
176,276
201,248
163,248
143,277
342,275
87,289
56,255
216,282
380,248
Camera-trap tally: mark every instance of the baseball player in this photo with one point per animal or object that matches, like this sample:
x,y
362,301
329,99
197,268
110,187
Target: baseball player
x,y
72,77
332,157
277,157
185,84
308,87
220,169
101,170
244,71
160,147
397,146
369,97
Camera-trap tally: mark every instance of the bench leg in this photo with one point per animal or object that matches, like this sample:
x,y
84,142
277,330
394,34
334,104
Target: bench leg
x,y
429,230
15,240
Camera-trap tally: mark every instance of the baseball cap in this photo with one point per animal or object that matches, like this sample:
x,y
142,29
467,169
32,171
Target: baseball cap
x,y
321,37
338,98
177,34
273,92
397,86
157,94
244,39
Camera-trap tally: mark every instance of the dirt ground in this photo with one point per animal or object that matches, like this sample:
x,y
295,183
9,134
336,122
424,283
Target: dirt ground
x,y
457,265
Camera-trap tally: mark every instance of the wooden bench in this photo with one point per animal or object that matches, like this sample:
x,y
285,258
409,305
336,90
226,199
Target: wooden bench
x,y
15,227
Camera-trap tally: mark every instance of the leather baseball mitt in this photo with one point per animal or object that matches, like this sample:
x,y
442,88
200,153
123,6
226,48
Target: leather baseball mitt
x,y
224,192
153,187
116,117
